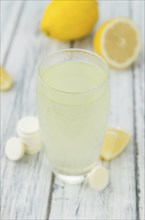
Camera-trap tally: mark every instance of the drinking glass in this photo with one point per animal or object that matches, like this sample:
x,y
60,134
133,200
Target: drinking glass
x,y
73,108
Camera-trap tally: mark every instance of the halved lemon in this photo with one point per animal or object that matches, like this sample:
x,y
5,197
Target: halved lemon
x,y
118,41
6,80
116,141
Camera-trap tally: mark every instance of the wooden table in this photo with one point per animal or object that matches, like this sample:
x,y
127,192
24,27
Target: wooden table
x,y
29,190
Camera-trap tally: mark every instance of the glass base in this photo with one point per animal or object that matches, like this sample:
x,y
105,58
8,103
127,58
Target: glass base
x,y
70,179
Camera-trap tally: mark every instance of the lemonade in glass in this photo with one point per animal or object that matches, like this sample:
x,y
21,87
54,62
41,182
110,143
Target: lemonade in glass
x,y
73,107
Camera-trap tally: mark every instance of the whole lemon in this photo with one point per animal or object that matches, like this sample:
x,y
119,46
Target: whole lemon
x,y
70,20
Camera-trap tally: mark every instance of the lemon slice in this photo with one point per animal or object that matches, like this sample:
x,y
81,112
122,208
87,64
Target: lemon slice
x,y
118,41
115,142
6,80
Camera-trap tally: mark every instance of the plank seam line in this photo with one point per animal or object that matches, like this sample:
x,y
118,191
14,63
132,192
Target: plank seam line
x,y
49,203
19,16
136,169
78,202
135,149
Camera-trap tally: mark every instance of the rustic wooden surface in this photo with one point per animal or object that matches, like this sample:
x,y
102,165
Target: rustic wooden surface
x,y
29,191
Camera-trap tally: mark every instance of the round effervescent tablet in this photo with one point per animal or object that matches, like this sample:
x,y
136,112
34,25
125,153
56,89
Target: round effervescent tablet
x,y
33,143
34,150
27,125
99,178
14,149
29,132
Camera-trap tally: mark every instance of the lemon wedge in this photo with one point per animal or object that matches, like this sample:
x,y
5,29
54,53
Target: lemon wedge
x,y
118,41
115,142
6,80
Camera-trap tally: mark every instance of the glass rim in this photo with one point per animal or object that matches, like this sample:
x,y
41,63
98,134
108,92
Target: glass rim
x,y
74,50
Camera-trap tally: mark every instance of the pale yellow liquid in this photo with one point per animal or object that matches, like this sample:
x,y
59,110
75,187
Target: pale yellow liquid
x,y
73,111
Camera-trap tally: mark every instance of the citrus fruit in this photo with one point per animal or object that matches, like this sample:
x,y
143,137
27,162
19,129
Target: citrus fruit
x,y
6,81
115,142
118,42
69,20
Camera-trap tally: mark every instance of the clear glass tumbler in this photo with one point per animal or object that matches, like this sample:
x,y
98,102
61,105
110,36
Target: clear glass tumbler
x,y
73,108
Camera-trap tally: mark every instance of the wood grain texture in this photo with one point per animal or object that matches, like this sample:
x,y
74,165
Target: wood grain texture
x,y
29,191
13,12
138,69
26,184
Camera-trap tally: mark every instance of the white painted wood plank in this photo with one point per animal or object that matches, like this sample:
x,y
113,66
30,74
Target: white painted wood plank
x,y
26,184
9,14
139,102
118,201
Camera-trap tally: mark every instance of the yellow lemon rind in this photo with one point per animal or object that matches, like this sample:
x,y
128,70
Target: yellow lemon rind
x,y
6,81
66,21
7,86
